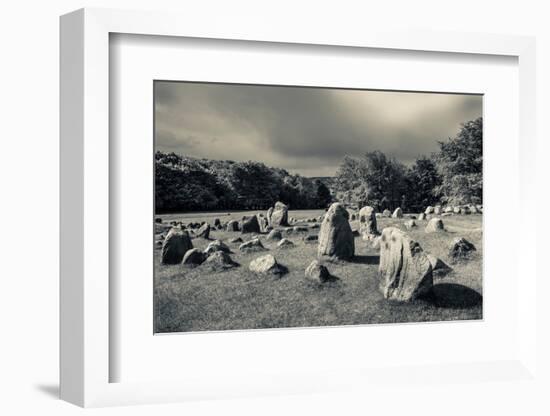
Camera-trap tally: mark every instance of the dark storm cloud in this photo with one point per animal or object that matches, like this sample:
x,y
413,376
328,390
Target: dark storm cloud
x,y
304,130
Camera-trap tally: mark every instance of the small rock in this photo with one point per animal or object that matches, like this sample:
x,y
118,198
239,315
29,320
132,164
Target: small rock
x,y
285,243
194,256
386,213
236,240
461,249
429,210
219,261
252,245
300,229
267,265
410,224
216,246
311,239
318,273
274,235
435,225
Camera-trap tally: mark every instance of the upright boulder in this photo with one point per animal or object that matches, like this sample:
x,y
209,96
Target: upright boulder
x,y
429,210
263,222
422,217
405,270
175,245
250,225
367,223
398,213
335,236
279,216
204,231
268,215
435,225
232,225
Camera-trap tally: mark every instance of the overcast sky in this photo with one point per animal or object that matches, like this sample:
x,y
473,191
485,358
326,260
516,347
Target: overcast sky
x,y
303,130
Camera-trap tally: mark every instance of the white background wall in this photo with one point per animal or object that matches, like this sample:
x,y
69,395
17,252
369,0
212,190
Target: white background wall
x,y
29,184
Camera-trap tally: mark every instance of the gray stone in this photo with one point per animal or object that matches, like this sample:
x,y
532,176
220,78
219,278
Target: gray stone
x,y
285,243
435,225
429,210
194,256
311,239
175,245
236,240
204,231
279,216
437,210
448,209
335,236
267,265
232,225
367,223
252,245
457,210
410,224
398,213
274,235
300,229
216,245
461,249
318,273
250,225
405,271
386,213
219,261
422,217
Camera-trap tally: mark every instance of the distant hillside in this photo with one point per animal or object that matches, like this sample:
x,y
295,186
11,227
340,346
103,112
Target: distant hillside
x,y
184,183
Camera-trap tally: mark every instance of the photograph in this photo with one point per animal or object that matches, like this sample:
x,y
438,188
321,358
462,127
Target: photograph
x,y
299,207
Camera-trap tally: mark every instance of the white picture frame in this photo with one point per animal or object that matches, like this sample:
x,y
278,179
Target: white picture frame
x,y
85,211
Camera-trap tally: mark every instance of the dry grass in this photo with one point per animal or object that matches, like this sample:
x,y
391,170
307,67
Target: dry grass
x,y
190,299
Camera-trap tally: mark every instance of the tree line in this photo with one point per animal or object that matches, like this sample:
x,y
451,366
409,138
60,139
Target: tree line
x,y
452,175
184,183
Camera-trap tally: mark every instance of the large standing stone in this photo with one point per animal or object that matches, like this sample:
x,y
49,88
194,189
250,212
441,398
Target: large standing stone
x,y
204,231
250,225
175,245
405,271
367,223
267,265
398,213
279,216
335,236
461,249
435,225
232,225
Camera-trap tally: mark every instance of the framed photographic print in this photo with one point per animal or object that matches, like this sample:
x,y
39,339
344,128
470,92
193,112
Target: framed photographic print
x,y
265,213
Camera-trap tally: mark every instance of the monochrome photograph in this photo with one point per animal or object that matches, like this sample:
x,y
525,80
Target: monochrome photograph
x,y
295,207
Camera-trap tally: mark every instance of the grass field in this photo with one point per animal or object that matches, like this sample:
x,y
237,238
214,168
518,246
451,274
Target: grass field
x,y
190,299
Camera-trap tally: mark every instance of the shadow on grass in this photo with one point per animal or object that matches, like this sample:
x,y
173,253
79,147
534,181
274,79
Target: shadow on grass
x,y
365,259
452,295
